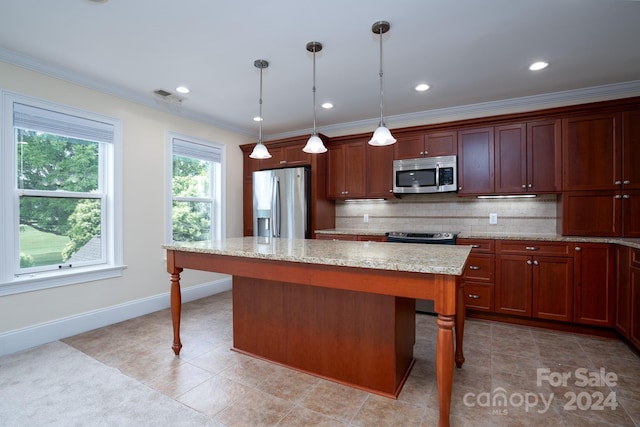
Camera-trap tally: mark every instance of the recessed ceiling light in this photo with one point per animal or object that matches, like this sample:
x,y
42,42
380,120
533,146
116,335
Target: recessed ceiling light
x,y
538,65
327,105
182,89
422,87
257,119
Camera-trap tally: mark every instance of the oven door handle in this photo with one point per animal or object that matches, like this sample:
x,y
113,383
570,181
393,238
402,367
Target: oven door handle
x,y
437,176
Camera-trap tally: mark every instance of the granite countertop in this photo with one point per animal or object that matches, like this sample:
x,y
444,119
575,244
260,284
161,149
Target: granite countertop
x,y
441,259
633,243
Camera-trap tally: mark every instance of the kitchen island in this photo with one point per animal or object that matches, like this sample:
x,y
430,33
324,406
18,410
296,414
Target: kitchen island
x,y
344,311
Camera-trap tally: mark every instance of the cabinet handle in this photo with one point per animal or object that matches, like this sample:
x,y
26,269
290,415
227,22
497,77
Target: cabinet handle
x,y
422,152
459,188
529,262
618,182
475,246
531,248
474,267
282,162
524,186
578,248
626,181
626,196
529,185
474,296
618,196
535,262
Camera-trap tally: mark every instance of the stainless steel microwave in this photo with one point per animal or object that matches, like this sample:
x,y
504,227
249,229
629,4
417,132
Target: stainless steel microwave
x,y
425,175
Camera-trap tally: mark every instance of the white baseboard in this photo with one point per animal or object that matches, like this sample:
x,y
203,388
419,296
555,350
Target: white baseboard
x,y
32,336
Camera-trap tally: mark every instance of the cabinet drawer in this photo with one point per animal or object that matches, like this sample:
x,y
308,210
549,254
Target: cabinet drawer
x,y
478,245
480,267
478,296
523,247
371,238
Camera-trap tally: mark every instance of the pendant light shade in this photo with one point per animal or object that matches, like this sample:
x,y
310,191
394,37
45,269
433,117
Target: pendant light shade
x,y
314,144
382,135
260,150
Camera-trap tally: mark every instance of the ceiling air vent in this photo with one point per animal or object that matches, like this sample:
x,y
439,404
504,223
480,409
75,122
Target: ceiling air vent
x,y
168,96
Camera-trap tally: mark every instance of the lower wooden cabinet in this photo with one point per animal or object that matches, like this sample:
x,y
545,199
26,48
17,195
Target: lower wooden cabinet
x,y
628,294
479,296
539,285
593,280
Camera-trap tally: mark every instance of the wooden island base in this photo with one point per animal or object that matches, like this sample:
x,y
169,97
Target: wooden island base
x,y
357,339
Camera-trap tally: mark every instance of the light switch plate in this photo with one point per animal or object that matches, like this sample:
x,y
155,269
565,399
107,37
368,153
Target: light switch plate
x,y
366,217
493,218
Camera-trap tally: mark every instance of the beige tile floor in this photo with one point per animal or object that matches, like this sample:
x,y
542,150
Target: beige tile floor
x,y
502,361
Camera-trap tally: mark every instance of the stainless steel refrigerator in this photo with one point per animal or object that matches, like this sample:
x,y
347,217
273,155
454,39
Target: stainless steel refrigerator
x,y
281,203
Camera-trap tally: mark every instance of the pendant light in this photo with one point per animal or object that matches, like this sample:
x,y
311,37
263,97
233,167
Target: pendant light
x,y
382,135
314,144
260,150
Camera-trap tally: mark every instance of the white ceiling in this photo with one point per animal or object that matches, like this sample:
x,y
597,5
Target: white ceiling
x,y
469,51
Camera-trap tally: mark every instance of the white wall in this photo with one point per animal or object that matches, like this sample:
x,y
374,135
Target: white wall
x,y
145,278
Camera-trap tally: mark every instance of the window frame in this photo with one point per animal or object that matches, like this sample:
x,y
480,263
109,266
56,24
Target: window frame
x,y
12,280
171,136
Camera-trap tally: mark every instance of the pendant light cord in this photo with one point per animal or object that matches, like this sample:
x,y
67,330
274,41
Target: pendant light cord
x,y
260,103
381,74
314,91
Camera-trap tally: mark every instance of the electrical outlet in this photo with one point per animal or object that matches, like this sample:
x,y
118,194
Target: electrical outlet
x,y
493,218
366,217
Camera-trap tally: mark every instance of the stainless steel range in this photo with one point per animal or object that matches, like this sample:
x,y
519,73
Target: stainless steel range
x,y
435,238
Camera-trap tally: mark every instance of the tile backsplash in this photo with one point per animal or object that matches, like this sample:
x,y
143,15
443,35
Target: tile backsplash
x,y
449,212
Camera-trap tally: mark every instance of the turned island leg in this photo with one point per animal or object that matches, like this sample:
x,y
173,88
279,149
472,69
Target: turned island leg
x,y
444,366
460,315
176,301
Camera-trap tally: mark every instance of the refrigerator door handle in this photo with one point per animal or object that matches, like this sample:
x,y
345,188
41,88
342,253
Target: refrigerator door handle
x,y
276,215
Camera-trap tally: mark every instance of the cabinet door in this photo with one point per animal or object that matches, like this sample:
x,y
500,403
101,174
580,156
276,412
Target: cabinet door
x,y
593,277
513,285
355,169
275,161
553,288
591,213
631,212
591,152
511,159
544,156
623,291
336,179
631,149
294,156
379,171
634,282
475,161
442,143
409,147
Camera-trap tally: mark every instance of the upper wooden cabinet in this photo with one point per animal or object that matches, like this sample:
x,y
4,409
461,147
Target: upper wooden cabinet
x,y
475,161
601,177
528,157
286,156
631,150
592,152
346,172
431,144
379,171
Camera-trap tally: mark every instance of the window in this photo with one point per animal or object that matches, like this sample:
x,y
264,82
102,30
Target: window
x,y
60,214
196,171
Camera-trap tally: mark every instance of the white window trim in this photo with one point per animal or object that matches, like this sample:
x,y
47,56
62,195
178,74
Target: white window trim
x,y
170,136
9,210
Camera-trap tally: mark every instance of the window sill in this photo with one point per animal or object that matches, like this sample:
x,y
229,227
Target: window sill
x,y
40,281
